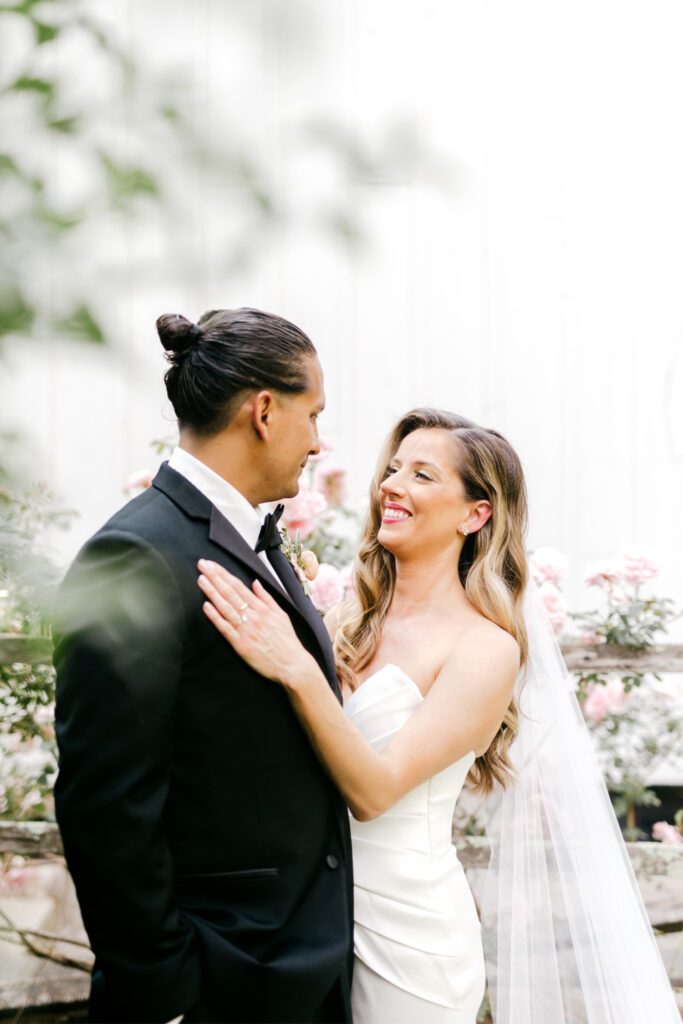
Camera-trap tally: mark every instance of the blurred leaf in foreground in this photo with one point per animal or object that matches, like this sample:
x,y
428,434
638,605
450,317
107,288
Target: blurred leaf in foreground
x,y
81,325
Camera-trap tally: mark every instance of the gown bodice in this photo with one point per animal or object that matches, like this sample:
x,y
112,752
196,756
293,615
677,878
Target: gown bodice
x,y
416,924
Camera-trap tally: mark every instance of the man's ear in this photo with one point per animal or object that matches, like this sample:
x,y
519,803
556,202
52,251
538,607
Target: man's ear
x,y
262,413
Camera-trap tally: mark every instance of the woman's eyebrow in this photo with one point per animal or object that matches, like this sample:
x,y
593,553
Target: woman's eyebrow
x,y
416,462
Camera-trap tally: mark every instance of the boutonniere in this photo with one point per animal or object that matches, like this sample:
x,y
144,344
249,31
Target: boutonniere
x,y
304,563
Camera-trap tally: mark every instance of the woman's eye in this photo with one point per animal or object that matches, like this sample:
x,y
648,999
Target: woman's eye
x,y
423,476
389,470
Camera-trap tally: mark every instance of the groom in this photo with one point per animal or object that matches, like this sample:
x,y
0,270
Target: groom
x,y
209,849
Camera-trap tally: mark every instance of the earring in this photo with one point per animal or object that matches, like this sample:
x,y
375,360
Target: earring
x,y
464,530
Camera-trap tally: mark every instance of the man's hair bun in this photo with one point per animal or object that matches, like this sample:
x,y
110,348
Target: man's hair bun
x,y
176,332
230,352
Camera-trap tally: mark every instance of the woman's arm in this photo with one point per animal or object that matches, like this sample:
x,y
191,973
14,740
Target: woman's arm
x,y
461,712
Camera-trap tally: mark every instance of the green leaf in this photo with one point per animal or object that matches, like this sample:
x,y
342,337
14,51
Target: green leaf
x,y
128,181
81,325
44,33
58,221
66,125
23,7
8,165
170,113
16,315
40,85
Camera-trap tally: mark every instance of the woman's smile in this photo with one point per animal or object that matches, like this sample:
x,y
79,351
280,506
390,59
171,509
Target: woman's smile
x,y
394,513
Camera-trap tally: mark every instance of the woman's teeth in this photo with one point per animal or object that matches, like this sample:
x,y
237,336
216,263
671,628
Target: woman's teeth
x,y
395,513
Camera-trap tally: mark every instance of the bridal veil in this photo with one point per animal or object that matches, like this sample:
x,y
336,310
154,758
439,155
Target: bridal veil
x,y
566,935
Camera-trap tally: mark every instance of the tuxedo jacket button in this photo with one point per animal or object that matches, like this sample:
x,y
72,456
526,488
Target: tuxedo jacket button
x,y
332,861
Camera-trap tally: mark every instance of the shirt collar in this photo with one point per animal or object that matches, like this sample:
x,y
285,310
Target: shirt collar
x,y
246,518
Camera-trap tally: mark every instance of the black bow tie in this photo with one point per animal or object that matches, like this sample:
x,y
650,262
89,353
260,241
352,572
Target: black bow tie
x,y
269,537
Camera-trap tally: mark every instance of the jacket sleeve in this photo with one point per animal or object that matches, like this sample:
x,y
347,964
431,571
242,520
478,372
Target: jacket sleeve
x,y
118,655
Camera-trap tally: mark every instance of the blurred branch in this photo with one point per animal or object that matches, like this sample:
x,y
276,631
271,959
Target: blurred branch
x,y
26,939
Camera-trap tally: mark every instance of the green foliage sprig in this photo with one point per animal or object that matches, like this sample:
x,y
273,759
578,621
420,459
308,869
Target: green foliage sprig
x,y
634,621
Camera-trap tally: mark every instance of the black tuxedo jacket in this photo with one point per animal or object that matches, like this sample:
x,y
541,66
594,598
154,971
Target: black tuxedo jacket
x,y
209,849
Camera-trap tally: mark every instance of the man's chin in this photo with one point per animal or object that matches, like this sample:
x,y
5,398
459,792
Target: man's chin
x,y
286,491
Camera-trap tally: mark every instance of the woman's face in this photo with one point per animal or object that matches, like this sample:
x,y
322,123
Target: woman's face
x,y
423,498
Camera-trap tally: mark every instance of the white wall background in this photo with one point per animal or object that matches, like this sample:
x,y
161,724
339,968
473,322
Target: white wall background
x,y
525,272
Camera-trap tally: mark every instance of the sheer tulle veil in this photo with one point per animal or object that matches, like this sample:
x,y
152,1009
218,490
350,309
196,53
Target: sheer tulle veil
x,y
566,936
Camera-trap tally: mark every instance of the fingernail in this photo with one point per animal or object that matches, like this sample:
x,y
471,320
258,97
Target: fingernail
x,y
202,563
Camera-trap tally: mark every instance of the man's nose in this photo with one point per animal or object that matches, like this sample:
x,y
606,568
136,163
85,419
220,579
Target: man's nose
x,y
315,447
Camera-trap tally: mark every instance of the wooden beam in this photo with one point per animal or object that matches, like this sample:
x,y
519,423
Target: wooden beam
x,y
32,839
613,658
25,650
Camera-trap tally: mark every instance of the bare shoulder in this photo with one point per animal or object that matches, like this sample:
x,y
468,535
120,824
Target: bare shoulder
x,y
487,651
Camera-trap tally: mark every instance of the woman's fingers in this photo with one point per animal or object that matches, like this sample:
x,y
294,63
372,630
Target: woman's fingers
x,y
264,596
222,597
229,595
227,584
252,621
222,624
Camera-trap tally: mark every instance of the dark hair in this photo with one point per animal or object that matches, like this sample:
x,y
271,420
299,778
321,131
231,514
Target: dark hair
x,y
216,362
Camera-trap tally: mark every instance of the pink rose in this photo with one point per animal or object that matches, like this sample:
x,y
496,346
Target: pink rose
x,y
595,704
589,637
555,604
665,833
637,566
602,574
327,588
300,512
548,564
326,447
604,698
139,481
330,480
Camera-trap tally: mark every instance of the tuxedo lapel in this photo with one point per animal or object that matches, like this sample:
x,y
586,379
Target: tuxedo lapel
x,y
292,583
223,533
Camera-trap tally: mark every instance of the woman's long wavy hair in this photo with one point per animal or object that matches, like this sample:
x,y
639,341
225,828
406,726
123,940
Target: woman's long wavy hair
x,y
492,564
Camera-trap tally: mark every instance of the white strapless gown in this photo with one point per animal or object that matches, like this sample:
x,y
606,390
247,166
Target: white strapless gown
x,y
417,938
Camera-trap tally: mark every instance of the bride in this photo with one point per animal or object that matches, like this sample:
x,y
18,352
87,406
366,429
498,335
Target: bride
x,y
444,658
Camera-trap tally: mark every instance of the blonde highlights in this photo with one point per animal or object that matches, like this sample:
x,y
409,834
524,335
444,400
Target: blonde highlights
x,y
492,564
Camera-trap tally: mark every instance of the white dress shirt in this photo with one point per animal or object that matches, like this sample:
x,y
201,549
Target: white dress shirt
x,y
245,517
